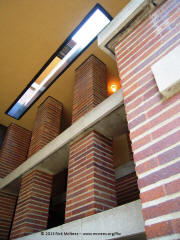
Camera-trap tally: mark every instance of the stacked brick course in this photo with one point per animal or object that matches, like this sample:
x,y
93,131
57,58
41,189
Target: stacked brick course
x,y
47,124
33,204
91,178
14,149
7,205
127,189
154,124
34,197
90,86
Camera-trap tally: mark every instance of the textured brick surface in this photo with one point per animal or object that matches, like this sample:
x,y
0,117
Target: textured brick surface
x,y
154,124
47,124
91,177
90,87
14,149
127,189
33,204
7,206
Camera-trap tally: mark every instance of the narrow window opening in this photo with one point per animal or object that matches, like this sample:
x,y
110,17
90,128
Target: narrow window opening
x,y
72,47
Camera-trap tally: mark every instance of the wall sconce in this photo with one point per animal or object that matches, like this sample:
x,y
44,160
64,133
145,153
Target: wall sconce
x,y
114,88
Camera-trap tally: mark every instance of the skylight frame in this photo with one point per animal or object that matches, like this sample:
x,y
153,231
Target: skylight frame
x,y
92,11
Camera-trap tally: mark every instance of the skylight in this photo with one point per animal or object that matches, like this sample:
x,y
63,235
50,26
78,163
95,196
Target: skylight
x,y
72,47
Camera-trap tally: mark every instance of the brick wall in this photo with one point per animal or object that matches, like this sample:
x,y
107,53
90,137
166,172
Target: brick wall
x,y
47,124
33,204
91,177
7,205
90,87
14,149
127,189
154,124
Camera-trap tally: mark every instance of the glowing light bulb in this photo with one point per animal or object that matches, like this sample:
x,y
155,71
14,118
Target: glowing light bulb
x,y
114,87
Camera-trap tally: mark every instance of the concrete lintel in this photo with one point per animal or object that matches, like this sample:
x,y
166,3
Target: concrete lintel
x,y
54,156
123,222
125,169
128,18
125,15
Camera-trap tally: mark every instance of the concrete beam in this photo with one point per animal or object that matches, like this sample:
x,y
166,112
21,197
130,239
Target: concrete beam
x,y
128,18
119,22
123,222
108,118
125,169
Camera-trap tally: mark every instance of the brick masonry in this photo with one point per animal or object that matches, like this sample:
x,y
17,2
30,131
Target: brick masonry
x,y
7,206
154,124
47,124
14,149
129,146
127,189
33,204
91,177
35,191
90,86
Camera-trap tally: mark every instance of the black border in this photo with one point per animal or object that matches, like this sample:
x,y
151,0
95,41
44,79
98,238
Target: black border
x,y
97,6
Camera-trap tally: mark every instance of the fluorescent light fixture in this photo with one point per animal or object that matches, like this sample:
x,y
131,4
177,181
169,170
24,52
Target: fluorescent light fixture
x,y
72,47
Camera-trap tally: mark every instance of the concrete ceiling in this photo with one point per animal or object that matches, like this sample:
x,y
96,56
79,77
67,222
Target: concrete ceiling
x,y
30,32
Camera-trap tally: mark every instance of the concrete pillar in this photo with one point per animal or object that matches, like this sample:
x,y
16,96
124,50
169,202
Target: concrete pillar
x,y
90,87
14,149
7,206
34,197
91,177
154,124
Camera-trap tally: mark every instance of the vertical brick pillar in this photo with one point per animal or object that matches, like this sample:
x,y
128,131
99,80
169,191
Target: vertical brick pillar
x,y
47,124
7,205
90,87
91,178
13,152
154,124
33,204
34,197
129,146
14,149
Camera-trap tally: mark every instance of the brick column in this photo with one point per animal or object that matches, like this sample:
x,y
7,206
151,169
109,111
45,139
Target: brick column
x,y
35,192
14,149
127,189
47,124
91,178
90,87
154,124
33,204
12,154
129,146
7,205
